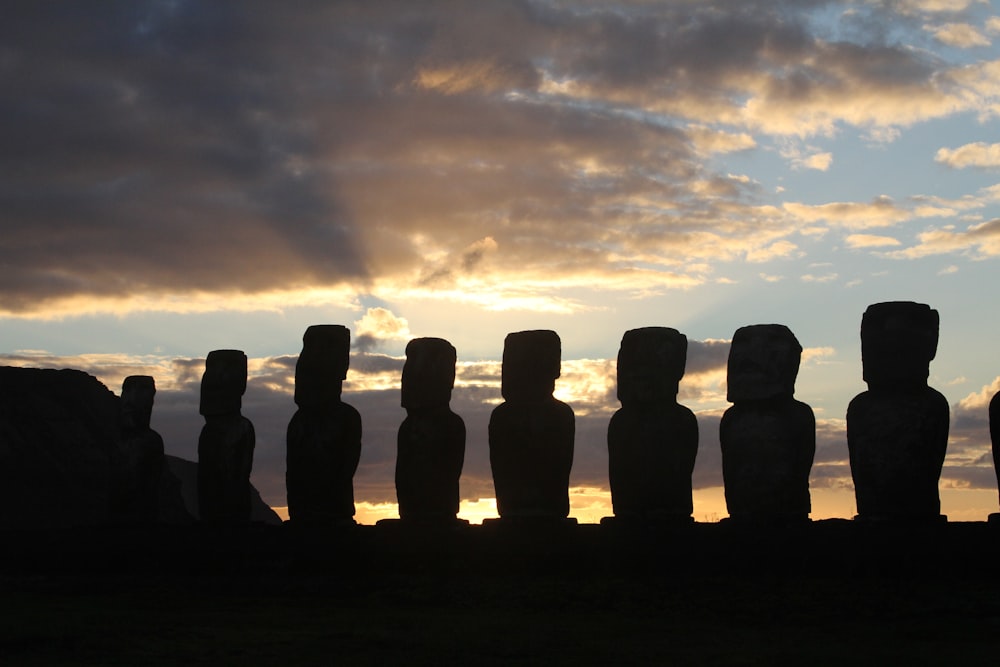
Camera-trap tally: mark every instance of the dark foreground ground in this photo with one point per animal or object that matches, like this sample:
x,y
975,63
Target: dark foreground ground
x,y
830,593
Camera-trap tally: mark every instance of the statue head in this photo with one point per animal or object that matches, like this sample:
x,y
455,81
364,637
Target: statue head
x,y
223,383
137,402
763,363
530,365
650,365
898,341
322,365
428,374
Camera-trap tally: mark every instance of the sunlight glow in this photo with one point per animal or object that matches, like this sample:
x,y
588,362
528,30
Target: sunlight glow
x,y
188,303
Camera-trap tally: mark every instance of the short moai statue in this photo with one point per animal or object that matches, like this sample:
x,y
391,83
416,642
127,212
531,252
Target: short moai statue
x,y
995,439
430,445
652,439
324,435
225,447
141,450
531,433
768,438
897,431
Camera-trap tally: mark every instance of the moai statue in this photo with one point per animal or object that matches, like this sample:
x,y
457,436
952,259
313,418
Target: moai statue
x,y
141,450
324,435
897,431
652,440
768,438
531,432
225,447
995,438
431,441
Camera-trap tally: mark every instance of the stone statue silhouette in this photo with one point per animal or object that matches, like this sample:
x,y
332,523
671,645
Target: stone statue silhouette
x,y
897,431
430,445
324,435
995,439
531,433
141,453
225,447
768,438
652,440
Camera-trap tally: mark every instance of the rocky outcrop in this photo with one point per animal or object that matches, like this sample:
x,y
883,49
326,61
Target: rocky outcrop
x,y
58,436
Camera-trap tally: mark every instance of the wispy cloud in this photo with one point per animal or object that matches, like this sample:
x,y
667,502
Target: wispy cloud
x,y
870,241
979,154
880,212
980,240
961,35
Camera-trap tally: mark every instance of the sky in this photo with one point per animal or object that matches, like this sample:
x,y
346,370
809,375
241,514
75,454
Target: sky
x,y
178,177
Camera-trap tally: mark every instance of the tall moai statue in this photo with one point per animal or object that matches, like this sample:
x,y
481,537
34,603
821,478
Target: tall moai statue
x,y
531,433
324,435
430,445
225,447
768,438
141,450
995,439
897,431
652,440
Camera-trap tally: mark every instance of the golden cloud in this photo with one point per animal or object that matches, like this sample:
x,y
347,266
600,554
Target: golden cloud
x,y
382,324
979,154
708,140
959,35
982,240
870,241
880,212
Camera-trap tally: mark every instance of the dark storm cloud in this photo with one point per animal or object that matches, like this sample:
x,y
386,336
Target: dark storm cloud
x,y
152,146
174,147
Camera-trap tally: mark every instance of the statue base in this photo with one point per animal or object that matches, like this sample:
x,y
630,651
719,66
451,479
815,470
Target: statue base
x,y
533,525
321,524
901,520
424,524
660,522
766,521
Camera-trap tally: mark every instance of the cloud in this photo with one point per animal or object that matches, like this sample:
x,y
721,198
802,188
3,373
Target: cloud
x,y
979,154
935,6
969,461
377,325
980,240
882,211
825,278
805,157
189,157
960,35
775,250
817,161
709,140
882,135
870,241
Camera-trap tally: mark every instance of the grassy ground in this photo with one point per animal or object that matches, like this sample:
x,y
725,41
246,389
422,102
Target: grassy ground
x,y
389,607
